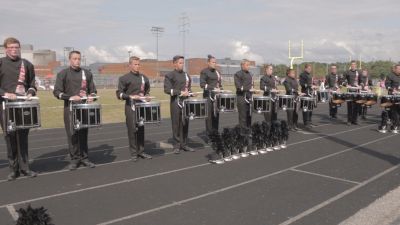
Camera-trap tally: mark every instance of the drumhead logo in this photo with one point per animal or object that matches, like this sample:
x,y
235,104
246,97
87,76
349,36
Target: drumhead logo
x,y
27,113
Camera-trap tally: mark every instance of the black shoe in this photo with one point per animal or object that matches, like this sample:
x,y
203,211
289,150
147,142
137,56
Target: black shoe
x,y
144,156
29,173
348,123
87,163
363,118
12,176
334,116
354,123
308,126
134,158
313,125
177,151
187,149
73,166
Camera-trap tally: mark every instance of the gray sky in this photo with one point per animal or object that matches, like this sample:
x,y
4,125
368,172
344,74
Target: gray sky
x,y
259,30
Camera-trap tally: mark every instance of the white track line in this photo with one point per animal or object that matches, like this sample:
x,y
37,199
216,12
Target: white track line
x,y
178,203
325,176
13,212
337,197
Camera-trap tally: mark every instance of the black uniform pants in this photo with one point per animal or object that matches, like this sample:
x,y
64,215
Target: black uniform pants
x,y
352,111
77,139
362,110
292,116
135,133
180,125
307,117
17,147
244,115
333,109
271,115
395,115
212,120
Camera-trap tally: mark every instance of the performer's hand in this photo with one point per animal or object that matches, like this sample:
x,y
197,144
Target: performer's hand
x,y
193,94
148,99
29,97
217,90
90,99
10,96
135,97
185,93
75,98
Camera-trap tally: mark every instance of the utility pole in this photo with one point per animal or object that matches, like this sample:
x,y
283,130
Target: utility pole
x,y
157,31
183,28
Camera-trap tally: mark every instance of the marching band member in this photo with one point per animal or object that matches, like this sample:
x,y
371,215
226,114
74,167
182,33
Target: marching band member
x,y
352,78
211,82
17,78
73,85
268,84
291,87
244,90
332,82
366,85
393,86
307,88
132,87
178,85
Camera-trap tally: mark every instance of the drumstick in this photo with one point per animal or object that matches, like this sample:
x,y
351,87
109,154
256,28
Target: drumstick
x,y
22,97
144,97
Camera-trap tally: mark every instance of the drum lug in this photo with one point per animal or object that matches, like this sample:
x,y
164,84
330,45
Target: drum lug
x,y
77,125
10,126
191,116
141,122
284,107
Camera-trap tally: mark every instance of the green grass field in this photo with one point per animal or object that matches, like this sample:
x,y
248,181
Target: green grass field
x,y
51,109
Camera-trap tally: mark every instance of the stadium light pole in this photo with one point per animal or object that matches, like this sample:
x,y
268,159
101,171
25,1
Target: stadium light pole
x,y
157,32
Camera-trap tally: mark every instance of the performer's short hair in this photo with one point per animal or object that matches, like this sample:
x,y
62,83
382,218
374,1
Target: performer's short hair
x,y
73,52
268,66
176,58
133,58
307,65
288,71
244,61
353,61
209,57
333,65
11,40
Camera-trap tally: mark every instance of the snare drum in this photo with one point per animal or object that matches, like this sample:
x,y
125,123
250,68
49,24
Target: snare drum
x,y
323,96
338,98
261,104
85,115
351,96
306,103
147,112
226,102
396,99
371,98
285,102
361,97
386,100
22,115
195,108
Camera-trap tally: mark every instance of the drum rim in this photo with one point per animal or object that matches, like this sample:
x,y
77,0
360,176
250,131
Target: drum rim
x,y
262,97
201,100
147,104
23,103
306,98
226,94
86,106
285,96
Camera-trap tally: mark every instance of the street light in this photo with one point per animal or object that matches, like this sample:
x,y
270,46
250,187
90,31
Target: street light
x,y
157,31
129,55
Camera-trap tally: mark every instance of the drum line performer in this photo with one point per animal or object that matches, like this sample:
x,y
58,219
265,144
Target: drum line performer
x,y
393,86
332,82
351,77
75,85
211,83
366,85
131,88
244,84
307,88
268,84
291,87
178,84
17,78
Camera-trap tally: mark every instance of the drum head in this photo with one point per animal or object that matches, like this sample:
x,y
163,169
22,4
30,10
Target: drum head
x,y
386,104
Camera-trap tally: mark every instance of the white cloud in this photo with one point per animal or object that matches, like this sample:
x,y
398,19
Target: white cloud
x,y
243,51
115,54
